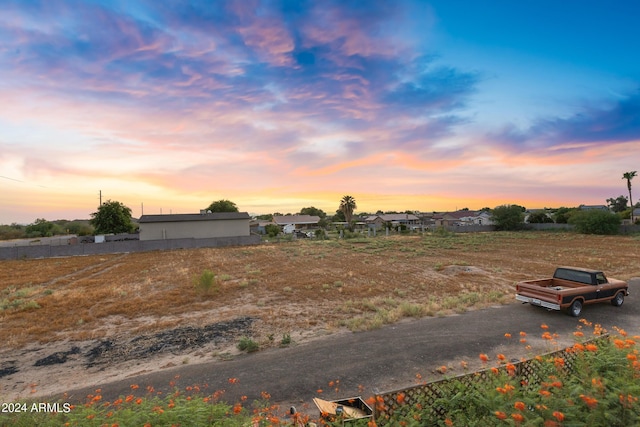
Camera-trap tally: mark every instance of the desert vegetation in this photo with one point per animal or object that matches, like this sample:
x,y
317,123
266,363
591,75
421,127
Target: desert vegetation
x,y
598,386
358,284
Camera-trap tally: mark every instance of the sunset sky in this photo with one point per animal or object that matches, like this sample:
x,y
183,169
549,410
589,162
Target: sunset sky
x,y
280,105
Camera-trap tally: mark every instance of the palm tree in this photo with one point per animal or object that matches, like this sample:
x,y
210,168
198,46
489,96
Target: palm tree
x,y
347,206
629,176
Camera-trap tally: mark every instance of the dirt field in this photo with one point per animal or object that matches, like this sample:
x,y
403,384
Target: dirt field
x,y
106,317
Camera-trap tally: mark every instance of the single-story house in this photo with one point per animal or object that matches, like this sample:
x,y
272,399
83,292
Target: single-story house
x,y
461,218
297,222
592,207
199,226
379,221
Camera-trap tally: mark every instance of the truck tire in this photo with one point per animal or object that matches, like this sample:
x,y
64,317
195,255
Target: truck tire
x,y
576,308
618,299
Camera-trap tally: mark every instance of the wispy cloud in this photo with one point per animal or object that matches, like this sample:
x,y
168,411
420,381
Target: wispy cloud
x,y
208,97
593,125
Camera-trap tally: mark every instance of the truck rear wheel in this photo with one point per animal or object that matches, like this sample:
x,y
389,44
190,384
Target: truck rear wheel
x,y
618,299
576,308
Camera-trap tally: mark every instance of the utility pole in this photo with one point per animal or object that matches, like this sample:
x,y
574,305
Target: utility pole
x,y
100,197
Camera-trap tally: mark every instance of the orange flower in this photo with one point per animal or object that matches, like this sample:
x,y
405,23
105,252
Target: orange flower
x,y
134,386
233,380
545,393
558,415
500,415
590,401
591,347
578,333
559,362
578,347
618,343
520,406
631,357
547,336
518,417
511,369
501,357
448,422
442,369
129,398
550,423
400,398
495,370
507,335
484,357
237,408
91,416
544,326
523,334
138,401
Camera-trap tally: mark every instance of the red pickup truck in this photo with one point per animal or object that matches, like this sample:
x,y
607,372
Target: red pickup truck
x,y
571,288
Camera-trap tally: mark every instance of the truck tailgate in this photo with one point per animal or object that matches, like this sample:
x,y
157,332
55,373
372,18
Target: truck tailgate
x,y
538,293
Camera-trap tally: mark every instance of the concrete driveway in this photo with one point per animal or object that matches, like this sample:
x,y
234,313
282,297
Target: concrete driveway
x,y
384,359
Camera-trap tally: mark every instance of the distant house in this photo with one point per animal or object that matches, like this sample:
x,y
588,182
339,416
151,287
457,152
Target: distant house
x,y
259,226
462,218
592,207
199,226
379,221
292,223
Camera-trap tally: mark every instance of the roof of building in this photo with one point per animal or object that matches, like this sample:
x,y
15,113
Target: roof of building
x,y
296,219
216,216
395,217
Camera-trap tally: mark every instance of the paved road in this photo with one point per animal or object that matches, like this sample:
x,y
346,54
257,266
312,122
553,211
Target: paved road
x,y
380,360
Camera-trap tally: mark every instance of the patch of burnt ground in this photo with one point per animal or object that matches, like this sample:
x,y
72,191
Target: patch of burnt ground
x,y
8,368
58,357
173,340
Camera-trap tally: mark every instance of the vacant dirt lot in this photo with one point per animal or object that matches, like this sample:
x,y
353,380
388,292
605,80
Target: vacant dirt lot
x,y
131,313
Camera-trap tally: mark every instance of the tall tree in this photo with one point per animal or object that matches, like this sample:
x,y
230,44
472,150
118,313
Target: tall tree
x,y
347,206
629,176
223,206
112,217
508,217
618,204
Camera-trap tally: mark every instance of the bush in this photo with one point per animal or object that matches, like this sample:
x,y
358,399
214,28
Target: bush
x,y
596,221
272,230
206,282
508,217
248,345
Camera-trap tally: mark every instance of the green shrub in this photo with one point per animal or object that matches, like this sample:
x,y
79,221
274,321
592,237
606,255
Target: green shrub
x,y
272,230
206,282
248,345
286,340
596,221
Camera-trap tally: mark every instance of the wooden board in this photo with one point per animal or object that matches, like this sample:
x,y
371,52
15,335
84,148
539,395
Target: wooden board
x,y
327,407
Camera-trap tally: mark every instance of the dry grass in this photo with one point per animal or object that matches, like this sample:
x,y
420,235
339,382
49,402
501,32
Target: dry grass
x,y
296,286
